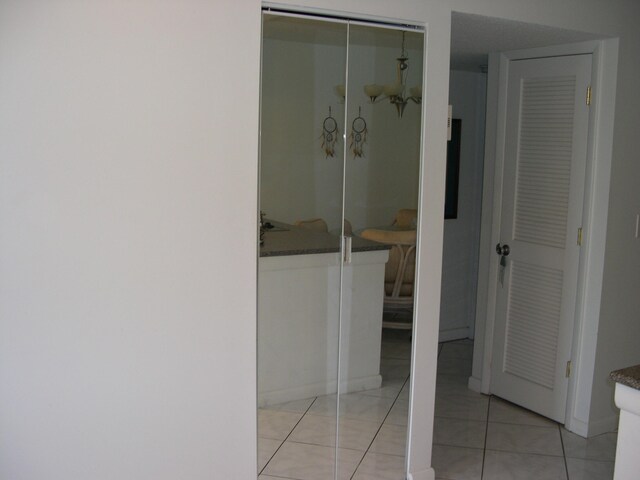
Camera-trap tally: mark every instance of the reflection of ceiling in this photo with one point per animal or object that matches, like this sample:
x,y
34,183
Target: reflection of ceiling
x,y
474,36
334,32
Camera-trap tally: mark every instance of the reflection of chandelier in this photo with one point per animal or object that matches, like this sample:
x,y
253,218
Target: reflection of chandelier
x,y
395,92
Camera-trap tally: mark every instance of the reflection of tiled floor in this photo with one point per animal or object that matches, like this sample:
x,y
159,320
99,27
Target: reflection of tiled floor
x,y
476,437
297,440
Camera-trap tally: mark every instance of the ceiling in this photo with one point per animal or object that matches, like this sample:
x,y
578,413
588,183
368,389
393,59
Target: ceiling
x,y
473,37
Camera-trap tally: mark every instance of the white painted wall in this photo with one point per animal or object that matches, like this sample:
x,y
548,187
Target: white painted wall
x,y
128,239
121,164
467,94
619,322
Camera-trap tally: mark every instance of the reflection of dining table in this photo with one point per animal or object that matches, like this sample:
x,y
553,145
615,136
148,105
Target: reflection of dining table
x,y
386,228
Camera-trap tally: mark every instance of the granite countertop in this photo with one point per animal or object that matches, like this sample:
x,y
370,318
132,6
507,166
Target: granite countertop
x,y
629,376
286,239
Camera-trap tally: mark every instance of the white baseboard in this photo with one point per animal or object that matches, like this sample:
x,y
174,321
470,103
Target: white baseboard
x,y
591,429
428,474
604,425
475,384
453,334
325,388
577,426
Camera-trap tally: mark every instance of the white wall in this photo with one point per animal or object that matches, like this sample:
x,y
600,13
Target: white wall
x,y
120,153
127,340
619,324
467,94
297,180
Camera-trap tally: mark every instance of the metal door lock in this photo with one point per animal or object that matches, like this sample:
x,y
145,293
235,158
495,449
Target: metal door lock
x,y
503,250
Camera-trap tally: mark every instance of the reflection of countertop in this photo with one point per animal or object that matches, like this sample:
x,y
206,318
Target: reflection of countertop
x,y
292,240
629,376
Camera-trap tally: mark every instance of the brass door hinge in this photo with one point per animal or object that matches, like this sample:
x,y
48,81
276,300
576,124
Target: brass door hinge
x,y
568,370
579,240
589,95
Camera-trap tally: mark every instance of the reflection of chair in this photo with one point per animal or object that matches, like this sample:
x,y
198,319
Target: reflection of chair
x,y
315,224
406,217
400,270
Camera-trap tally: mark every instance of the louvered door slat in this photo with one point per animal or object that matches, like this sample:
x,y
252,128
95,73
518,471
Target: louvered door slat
x,y
542,194
532,323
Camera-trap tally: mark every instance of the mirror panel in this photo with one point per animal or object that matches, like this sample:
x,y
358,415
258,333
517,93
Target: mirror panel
x,y
332,382
382,167
301,184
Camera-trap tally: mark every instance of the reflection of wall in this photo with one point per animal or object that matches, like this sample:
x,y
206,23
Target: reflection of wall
x,y
462,235
297,181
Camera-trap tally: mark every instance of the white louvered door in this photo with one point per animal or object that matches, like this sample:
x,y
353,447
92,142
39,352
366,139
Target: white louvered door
x,y
543,187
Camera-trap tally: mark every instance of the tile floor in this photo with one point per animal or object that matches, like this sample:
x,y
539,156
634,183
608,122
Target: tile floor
x,y
476,437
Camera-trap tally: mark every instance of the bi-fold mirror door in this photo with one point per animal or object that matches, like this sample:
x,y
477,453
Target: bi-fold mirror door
x,y
339,166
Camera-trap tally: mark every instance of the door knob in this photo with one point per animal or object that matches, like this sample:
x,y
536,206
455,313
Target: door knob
x,y
503,250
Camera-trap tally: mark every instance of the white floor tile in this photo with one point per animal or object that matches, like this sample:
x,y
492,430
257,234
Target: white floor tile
x,y
376,466
396,350
389,388
524,439
457,389
589,469
505,412
520,444
312,462
462,406
295,406
404,393
443,378
457,463
390,440
601,447
521,466
275,424
395,368
459,433
321,430
354,406
456,350
266,448
453,366
399,414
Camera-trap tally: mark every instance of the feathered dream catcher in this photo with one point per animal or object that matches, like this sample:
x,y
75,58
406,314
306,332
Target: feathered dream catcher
x,y
358,135
329,135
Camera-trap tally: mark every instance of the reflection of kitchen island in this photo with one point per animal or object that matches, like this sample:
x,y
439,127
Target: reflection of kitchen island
x,y
299,316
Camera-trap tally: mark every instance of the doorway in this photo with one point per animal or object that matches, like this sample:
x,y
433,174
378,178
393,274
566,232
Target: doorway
x,y
473,37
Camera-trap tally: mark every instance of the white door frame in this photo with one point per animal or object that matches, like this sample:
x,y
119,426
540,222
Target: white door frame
x,y
604,75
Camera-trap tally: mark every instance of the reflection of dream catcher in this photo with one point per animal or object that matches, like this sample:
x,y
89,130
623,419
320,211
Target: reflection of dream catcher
x,y
329,135
358,135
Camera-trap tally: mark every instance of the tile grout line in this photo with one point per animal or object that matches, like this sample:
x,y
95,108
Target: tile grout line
x,y
486,435
288,435
564,453
380,428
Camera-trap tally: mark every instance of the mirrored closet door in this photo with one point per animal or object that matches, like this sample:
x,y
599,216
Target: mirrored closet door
x,y
339,168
